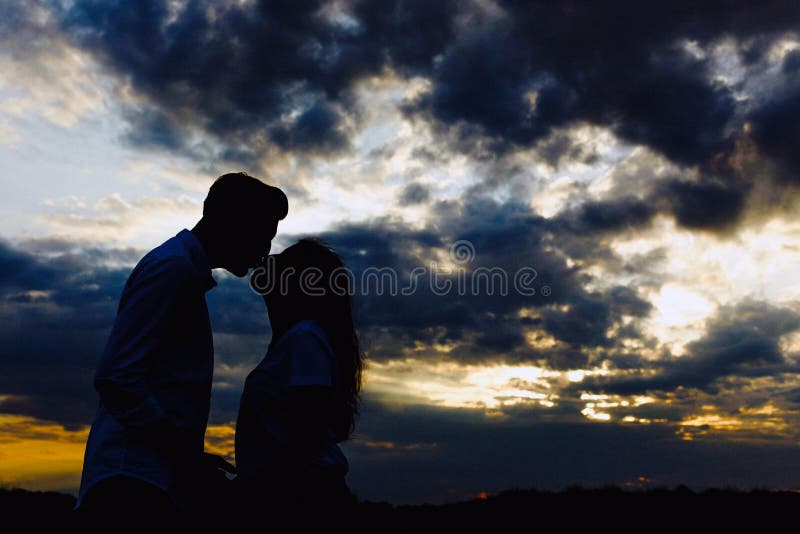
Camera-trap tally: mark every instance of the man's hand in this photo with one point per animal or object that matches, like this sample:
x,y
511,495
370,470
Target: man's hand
x,y
215,461
175,443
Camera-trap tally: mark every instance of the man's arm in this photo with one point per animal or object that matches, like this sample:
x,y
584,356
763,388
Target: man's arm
x,y
121,379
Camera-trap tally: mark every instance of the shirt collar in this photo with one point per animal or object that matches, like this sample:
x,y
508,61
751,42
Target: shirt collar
x,y
198,257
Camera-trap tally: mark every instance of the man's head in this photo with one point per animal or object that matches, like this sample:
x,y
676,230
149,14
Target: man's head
x,y
243,214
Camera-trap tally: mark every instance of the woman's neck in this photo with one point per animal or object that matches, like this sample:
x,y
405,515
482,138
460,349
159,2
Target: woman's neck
x,y
280,323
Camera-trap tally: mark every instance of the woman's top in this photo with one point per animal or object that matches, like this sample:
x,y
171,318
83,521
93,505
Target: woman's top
x,y
302,356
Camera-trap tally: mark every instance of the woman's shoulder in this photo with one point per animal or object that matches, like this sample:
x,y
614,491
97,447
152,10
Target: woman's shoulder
x,y
307,329
304,326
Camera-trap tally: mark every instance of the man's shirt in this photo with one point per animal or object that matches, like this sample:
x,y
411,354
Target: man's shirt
x,y
158,362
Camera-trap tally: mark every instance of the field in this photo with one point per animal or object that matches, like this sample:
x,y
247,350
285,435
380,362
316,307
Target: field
x,y
528,510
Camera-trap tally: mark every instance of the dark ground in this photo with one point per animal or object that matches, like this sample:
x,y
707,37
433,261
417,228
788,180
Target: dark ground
x,y
572,510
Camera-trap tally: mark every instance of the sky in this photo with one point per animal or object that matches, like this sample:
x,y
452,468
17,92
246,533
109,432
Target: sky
x,y
628,169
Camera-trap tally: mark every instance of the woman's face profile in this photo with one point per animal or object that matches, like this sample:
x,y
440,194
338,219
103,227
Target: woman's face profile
x,y
275,282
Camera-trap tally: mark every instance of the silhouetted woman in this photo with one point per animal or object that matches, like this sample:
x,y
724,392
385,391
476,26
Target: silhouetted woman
x,y
303,397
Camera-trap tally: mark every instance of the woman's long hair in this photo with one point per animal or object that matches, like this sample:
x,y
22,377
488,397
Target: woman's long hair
x,y
325,299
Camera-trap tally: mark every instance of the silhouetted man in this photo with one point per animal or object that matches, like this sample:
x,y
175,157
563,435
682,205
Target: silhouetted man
x,y
145,447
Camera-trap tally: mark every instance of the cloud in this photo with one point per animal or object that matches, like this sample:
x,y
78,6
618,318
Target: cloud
x,y
151,128
791,63
615,215
778,136
114,219
257,83
545,65
588,318
64,305
700,205
703,205
39,454
238,71
45,75
467,453
742,340
414,193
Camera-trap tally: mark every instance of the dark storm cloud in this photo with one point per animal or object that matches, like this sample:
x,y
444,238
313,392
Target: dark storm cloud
x,y
231,74
496,233
626,301
23,31
660,98
791,63
777,134
22,270
314,128
499,335
414,193
150,128
409,33
607,215
771,126
558,147
54,317
482,80
440,455
695,205
703,205
70,281
503,76
238,71
586,320
506,83
741,341
588,63
584,323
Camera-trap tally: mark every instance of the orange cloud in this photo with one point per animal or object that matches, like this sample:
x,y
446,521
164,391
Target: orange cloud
x,y
42,455
219,440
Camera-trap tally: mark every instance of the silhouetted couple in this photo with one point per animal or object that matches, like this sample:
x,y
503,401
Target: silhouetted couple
x,y
145,462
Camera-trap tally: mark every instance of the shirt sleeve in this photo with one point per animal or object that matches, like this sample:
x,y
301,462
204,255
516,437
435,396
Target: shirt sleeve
x,y
311,360
147,302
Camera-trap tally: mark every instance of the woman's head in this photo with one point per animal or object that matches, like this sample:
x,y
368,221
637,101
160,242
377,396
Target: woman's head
x,y
308,280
